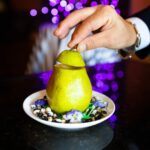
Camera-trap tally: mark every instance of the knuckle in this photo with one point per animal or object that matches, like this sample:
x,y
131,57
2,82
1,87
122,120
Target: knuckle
x,y
109,11
89,24
108,8
99,7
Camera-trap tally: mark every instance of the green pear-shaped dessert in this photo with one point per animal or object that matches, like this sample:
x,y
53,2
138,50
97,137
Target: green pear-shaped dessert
x,y
69,86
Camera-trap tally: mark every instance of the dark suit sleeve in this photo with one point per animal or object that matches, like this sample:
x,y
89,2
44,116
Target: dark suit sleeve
x,y
145,16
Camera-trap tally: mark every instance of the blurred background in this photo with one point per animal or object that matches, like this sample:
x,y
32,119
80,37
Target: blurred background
x,y
26,42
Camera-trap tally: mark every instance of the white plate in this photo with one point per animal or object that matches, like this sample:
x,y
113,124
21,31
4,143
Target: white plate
x,y
71,126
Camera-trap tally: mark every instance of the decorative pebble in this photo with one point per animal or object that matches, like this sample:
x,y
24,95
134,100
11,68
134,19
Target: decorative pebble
x,y
54,115
44,117
39,107
104,112
33,106
93,99
96,110
50,119
74,116
99,103
63,120
43,110
41,102
36,111
58,120
39,114
48,109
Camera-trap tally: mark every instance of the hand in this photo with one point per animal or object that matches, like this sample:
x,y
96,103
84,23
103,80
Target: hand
x,y
98,26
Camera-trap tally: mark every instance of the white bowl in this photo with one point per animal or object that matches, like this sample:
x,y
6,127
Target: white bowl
x,y
70,126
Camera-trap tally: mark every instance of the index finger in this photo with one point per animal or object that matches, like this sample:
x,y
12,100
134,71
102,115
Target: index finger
x,y
73,19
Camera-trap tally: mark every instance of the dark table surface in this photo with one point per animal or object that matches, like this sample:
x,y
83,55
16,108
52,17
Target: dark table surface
x,y
127,83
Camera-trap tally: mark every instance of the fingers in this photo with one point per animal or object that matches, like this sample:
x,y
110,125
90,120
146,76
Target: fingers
x,y
72,20
92,42
92,23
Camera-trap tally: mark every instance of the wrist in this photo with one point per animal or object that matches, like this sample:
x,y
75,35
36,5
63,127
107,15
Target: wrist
x,y
143,31
132,34
135,41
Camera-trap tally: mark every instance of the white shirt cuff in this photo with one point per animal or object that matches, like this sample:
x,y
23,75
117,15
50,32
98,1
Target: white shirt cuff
x,y
143,30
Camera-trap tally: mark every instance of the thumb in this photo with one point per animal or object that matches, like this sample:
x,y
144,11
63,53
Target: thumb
x,y
92,42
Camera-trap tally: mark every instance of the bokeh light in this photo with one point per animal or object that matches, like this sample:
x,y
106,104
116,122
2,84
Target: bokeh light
x,y
63,3
33,12
55,19
72,1
66,13
110,76
83,1
54,11
53,2
113,118
94,3
114,3
114,86
69,7
120,74
64,7
104,2
78,5
118,11
44,10
61,9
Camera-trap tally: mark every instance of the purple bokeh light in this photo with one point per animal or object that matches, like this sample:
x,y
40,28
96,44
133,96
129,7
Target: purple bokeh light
x,y
104,2
69,7
114,86
114,3
113,118
44,10
100,76
66,6
61,9
33,12
118,11
108,67
44,77
55,19
104,78
99,84
94,3
83,1
114,97
105,88
110,76
78,5
54,11
120,74
72,1
66,13
63,3
53,2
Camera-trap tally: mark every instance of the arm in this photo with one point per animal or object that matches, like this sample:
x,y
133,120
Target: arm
x,y
110,29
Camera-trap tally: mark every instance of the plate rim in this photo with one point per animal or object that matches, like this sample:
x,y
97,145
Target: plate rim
x,y
28,111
